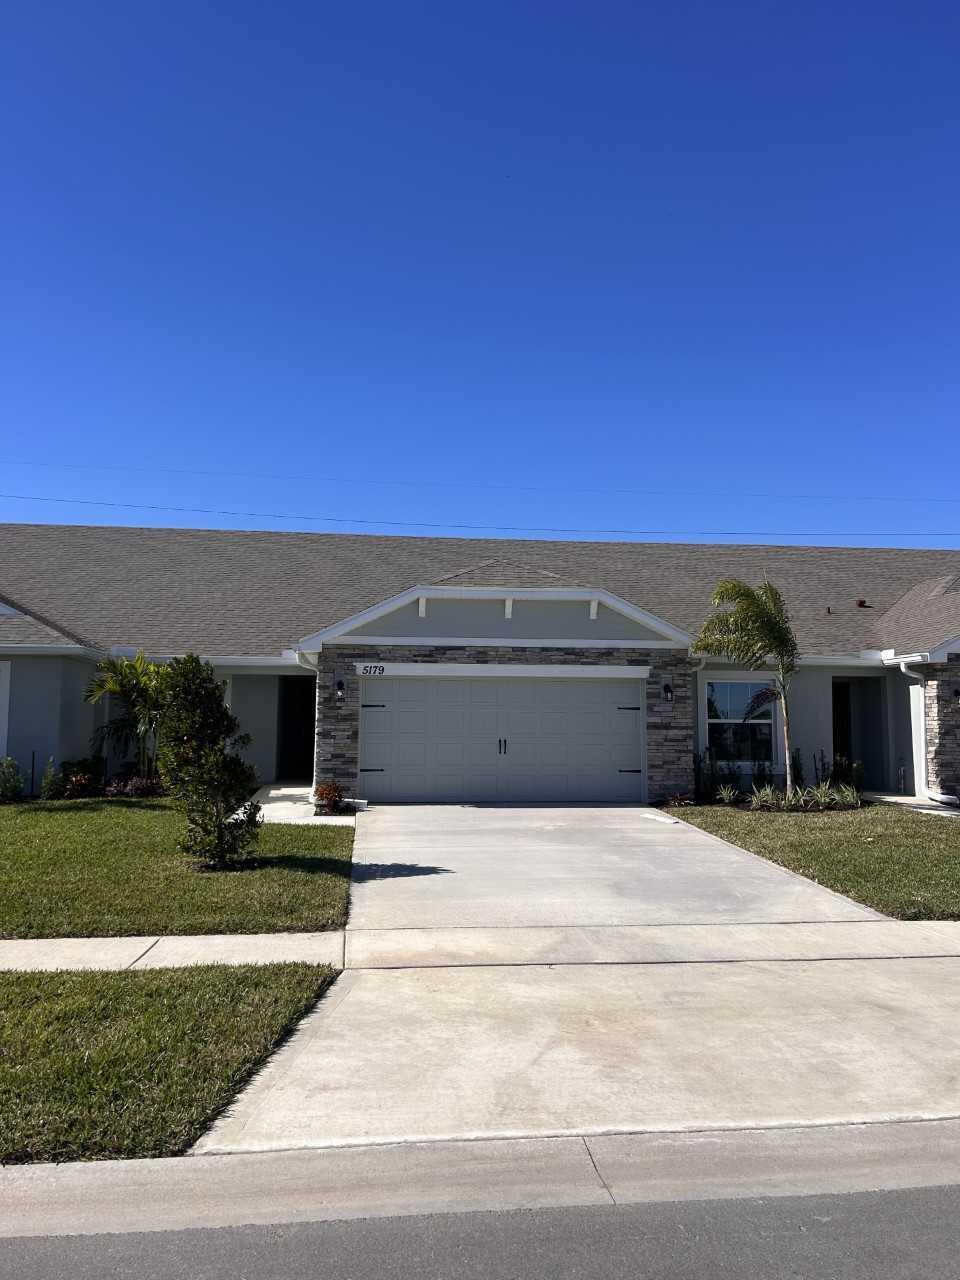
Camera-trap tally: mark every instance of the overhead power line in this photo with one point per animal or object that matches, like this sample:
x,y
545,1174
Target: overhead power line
x,y
458,482
479,528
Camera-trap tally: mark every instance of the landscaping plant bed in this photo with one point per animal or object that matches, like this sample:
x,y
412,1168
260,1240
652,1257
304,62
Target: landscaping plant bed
x,y
900,862
102,1066
95,868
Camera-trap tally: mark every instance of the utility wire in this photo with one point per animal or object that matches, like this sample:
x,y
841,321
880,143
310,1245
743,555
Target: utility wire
x,y
479,528
670,492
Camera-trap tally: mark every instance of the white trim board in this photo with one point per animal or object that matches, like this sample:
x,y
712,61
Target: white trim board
x,y
4,706
498,642
481,670
667,630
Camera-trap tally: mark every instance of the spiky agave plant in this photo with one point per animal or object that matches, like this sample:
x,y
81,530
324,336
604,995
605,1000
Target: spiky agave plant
x,y
751,627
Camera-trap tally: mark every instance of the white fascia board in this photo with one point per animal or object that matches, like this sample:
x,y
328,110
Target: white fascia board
x,y
51,651
938,654
282,662
500,642
862,659
487,670
246,660
390,605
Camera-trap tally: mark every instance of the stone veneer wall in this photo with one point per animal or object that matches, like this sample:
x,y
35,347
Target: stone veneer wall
x,y
943,726
670,725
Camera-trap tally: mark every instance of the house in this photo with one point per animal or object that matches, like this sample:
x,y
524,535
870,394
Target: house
x,y
448,669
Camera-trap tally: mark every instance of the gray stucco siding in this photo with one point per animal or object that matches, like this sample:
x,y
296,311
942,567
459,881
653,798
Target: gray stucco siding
x,y
881,719
484,619
47,715
254,701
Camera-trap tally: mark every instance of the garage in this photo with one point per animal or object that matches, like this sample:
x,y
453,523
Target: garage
x,y
496,738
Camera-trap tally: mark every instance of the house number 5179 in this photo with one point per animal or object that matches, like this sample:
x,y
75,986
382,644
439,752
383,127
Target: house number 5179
x,y
372,670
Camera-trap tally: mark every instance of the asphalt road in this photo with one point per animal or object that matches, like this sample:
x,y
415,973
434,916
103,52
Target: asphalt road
x,y
891,1235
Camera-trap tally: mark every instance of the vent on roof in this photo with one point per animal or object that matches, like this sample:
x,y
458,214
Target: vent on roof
x,y
862,604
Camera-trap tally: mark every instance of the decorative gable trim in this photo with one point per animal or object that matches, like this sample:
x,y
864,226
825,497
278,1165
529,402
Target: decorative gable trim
x,y
671,637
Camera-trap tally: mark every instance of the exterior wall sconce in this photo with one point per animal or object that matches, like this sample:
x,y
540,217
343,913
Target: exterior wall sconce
x,y
668,693
339,690
956,694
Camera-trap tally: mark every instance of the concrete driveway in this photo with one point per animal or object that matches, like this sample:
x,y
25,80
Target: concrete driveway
x,y
460,867
534,972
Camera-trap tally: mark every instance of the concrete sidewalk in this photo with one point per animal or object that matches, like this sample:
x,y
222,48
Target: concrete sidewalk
x,y
455,1177
435,1054
455,948
171,950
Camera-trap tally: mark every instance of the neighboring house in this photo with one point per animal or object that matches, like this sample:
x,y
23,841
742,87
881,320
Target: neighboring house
x,y
446,669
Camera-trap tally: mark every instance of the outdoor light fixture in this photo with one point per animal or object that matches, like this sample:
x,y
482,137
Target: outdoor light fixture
x,y
956,694
340,690
668,693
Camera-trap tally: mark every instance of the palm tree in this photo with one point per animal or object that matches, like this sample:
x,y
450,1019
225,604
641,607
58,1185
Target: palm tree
x,y
751,627
139,686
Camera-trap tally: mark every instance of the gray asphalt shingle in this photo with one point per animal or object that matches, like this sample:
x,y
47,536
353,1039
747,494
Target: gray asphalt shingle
x,y
239,592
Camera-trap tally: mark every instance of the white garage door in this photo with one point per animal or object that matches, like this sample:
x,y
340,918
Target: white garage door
x,y
510,739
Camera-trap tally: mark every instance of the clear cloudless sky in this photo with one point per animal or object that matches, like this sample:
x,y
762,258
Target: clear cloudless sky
x,y
685,267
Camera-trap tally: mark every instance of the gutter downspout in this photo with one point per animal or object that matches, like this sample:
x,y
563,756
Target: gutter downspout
x,y
938,797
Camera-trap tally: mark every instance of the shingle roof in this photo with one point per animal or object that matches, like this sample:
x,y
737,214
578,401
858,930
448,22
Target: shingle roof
x,y
22,627
238,592
925,616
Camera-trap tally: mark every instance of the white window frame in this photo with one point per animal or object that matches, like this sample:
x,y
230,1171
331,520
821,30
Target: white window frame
x,y
5,668
740,677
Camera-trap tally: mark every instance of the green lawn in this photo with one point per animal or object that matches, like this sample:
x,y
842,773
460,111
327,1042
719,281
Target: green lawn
x,y
100,867
900,862
98,1066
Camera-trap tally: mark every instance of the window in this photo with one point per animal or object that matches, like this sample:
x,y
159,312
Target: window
x,y
728,737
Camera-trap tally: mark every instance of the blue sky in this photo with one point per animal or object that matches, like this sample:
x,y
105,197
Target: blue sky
x,y
690,268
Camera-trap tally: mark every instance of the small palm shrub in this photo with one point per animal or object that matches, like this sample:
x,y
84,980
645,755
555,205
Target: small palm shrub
x,y
727,794
11,780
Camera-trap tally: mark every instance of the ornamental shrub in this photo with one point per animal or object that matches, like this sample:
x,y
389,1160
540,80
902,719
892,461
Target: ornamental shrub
x,y
328,797
201,766
11,780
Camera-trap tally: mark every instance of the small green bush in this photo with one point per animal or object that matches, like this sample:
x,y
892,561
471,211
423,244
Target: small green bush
x,y
201,767
11,780
727,794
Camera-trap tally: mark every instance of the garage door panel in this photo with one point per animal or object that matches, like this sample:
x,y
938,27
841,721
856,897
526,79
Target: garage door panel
x,y
438,740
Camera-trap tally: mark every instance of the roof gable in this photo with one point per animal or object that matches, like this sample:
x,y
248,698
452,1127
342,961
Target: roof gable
x,y
503,615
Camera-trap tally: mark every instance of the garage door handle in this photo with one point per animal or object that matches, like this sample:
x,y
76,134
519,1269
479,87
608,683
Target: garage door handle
x,y
504,746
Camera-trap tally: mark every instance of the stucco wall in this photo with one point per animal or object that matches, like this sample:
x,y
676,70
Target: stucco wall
x,y
48,716
531,620
880,713
669,725
253,700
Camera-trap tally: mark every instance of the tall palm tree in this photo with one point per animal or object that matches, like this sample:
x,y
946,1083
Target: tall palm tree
x,y
751,627
139,686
